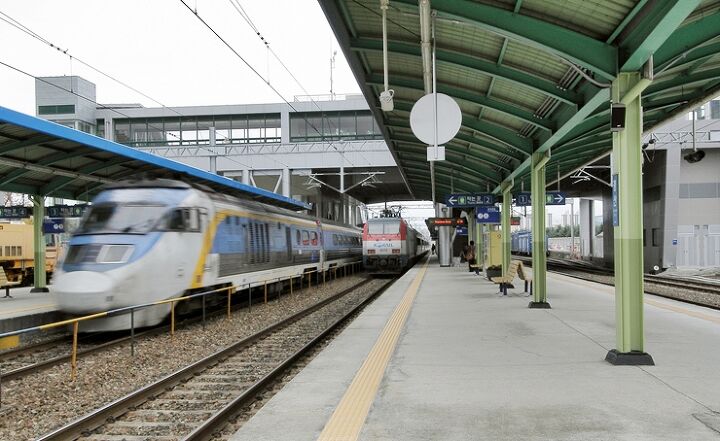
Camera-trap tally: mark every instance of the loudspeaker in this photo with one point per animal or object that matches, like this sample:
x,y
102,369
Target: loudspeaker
x,y
617,117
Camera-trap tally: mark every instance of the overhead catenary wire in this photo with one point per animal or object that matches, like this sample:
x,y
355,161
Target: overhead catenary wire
x,y
246,17
252,68
25,29
102,106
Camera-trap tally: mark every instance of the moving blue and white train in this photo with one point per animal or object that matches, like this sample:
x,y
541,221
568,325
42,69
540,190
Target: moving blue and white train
x,y
521,243
145,241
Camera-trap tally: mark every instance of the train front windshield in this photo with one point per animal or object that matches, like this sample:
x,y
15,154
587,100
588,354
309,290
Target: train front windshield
x,y
384,227
121,218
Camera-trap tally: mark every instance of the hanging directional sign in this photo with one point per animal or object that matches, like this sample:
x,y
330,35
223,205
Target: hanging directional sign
x,y
470,199
53,226
523,200
66,210
554,198
487,215
551,198
15,212
445,222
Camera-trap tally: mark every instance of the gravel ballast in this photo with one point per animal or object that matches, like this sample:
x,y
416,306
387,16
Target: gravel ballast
x,y
36,404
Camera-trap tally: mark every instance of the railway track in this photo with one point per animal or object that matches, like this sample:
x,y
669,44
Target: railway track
x,y
26,360
199,399
689,290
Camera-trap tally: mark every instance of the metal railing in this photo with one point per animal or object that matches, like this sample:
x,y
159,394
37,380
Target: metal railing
x,y
348,268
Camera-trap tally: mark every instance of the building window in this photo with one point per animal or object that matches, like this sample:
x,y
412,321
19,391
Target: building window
x,y
715,109
332,126
56,110
100,128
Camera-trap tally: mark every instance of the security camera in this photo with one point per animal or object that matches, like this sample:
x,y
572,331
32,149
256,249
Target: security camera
x,y
386,100
695,156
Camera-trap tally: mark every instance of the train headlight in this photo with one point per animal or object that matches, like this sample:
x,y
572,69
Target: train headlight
x,y
115,253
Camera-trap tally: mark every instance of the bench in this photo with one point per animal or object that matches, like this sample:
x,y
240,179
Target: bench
x,y
5,283
507,278
516,270
523,275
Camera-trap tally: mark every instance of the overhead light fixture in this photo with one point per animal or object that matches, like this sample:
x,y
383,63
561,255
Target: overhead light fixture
x,y
695,156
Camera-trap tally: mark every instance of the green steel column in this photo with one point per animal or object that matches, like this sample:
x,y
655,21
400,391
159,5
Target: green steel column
x,y
40,284
539,260
505,226
628,228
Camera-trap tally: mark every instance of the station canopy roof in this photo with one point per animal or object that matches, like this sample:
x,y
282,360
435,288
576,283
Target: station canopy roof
x,y
39,157
529,76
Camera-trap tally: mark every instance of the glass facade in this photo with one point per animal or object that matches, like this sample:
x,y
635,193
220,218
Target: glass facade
x,y
194,130
333,126
715,109
56,110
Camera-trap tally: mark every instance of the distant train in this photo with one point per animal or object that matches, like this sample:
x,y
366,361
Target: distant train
x,y
145,241
17,252
391,245
521,243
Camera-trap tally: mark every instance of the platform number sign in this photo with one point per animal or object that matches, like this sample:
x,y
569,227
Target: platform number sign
x,y
15,212
470,199
66,210
487,215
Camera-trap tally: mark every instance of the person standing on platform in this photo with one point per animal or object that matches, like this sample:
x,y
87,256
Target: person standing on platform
x,y
470,256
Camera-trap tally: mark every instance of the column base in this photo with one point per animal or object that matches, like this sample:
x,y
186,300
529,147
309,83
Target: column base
x,y
633,358
39,290
539,305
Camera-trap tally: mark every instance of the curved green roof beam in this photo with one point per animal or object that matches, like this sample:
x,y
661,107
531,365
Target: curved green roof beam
x,y
488,146
585,51
688,38
499,133
490,68
469,96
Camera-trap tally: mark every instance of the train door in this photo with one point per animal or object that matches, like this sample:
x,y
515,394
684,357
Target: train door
x,y
288,242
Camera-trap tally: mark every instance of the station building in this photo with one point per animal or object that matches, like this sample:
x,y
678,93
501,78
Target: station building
x,y
325,150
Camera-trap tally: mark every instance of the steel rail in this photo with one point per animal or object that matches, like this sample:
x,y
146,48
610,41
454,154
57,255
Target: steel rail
x,y
97,418
220,418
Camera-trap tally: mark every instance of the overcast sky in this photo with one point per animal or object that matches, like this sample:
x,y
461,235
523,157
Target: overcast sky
x,y
160,48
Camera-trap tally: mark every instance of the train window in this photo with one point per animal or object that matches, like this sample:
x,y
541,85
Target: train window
x,y
305,237
335,239
297,237
237,220
19,251
7,251
313,238
13,250
227,220
185,219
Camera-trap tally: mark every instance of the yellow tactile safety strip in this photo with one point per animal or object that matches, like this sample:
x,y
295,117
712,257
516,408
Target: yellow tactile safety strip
x,y
611,290
13,311
349,416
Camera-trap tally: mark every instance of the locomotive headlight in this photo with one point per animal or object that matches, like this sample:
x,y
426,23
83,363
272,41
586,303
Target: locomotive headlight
x,y
115,253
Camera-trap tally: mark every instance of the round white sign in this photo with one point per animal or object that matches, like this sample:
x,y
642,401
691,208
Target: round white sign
x,y
422,121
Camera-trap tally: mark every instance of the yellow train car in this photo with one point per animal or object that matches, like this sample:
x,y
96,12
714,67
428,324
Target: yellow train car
x,y
17,252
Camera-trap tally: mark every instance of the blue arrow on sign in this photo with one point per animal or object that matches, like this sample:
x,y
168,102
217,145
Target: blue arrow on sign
x,y
554,198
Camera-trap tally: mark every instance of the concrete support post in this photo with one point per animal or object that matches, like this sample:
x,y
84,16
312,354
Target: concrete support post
x,y
286,182
213,157
505,227
587,227
40,280
539,259
444,247
246,176
627,220
285,125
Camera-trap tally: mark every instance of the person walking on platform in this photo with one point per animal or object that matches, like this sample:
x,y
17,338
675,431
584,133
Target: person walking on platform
x,y
432,249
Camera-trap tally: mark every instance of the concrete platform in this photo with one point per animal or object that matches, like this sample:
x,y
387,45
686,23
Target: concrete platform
x,y
470,365
26,309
